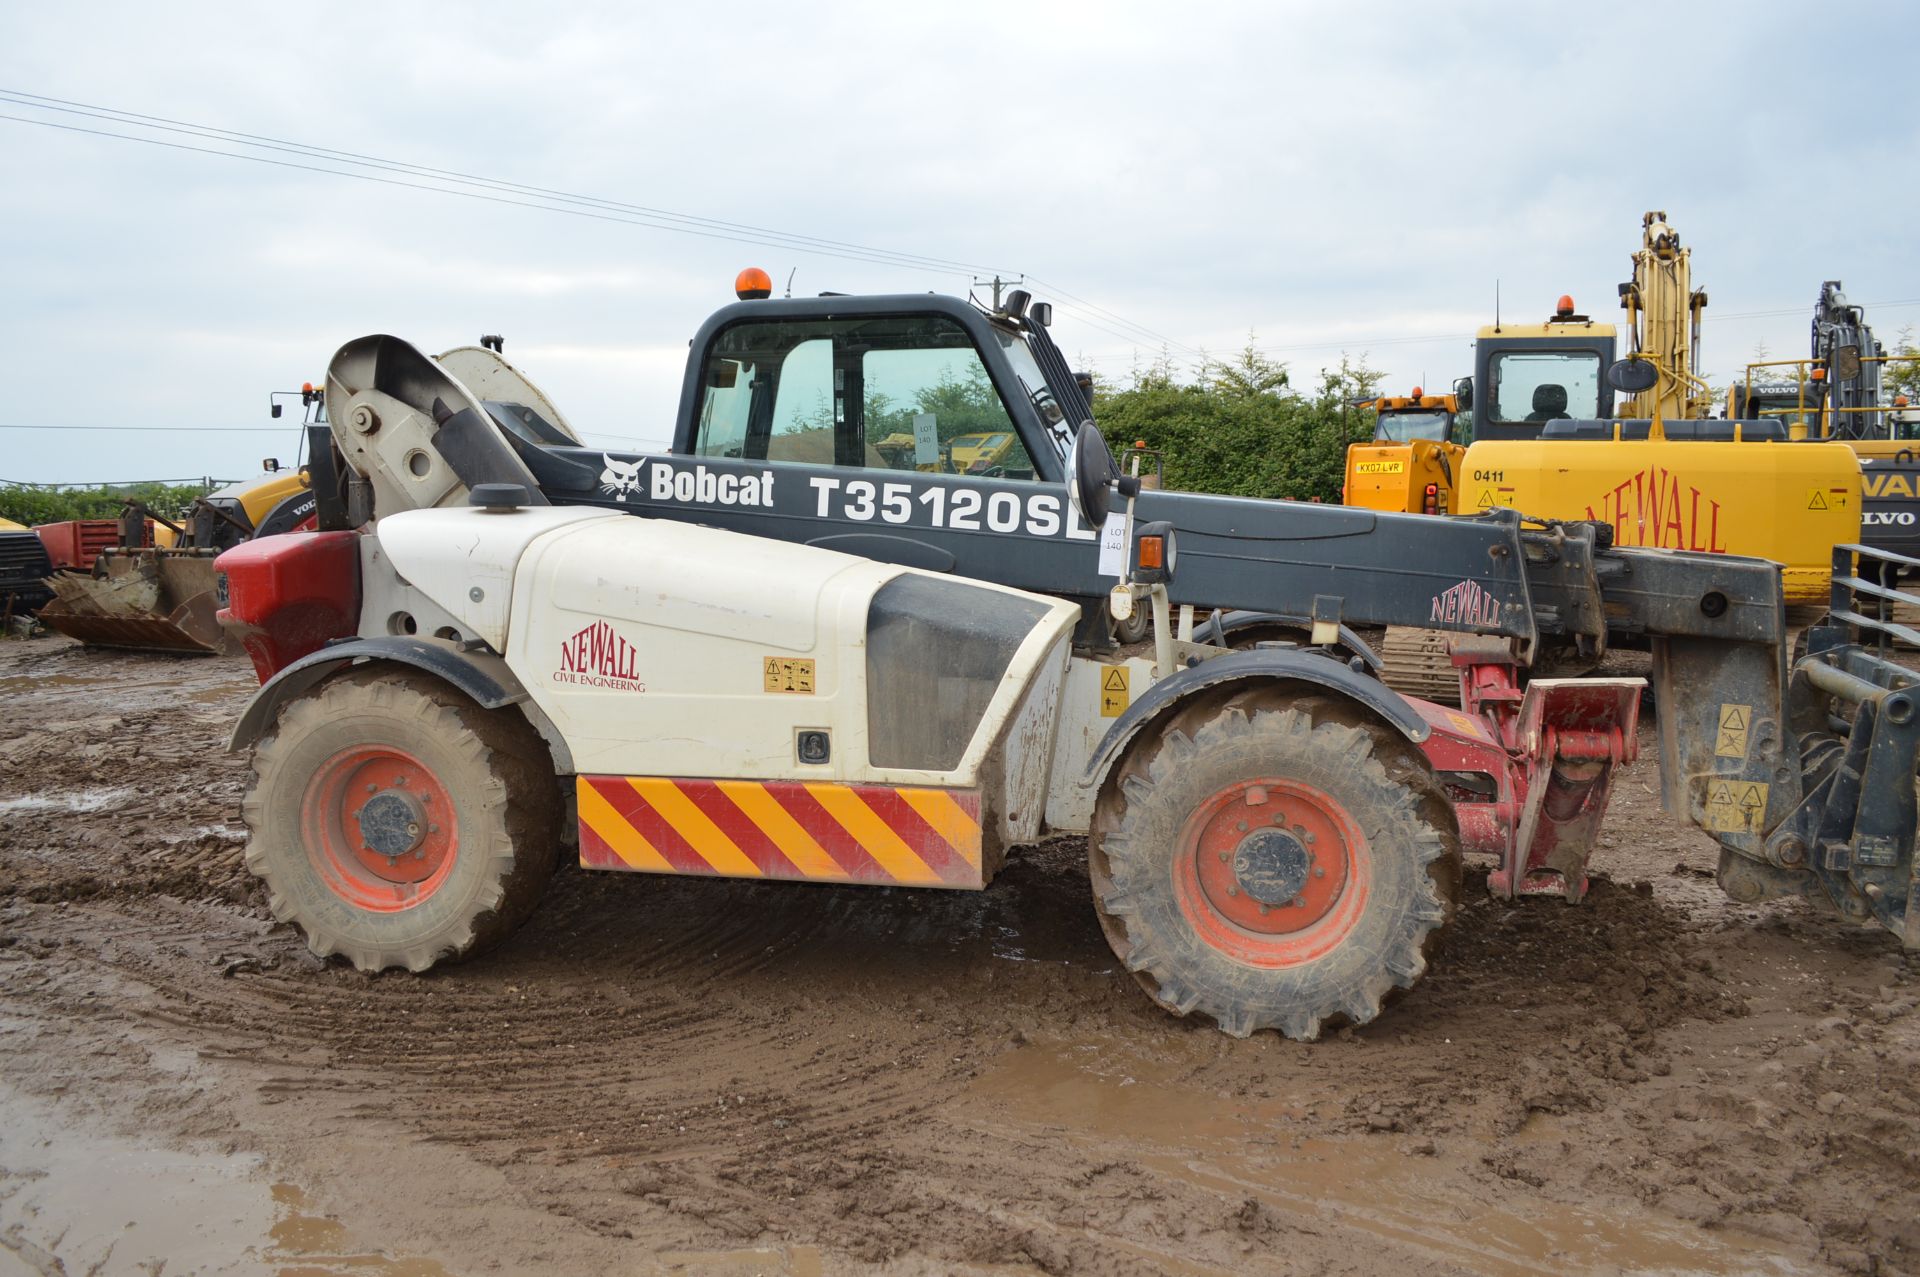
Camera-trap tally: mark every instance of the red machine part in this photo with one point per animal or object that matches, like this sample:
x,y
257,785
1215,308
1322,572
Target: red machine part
x,y
1530,771
286,596
75,544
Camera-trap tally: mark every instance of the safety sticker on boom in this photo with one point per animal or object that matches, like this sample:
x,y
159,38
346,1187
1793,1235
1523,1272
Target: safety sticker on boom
x,y
885,835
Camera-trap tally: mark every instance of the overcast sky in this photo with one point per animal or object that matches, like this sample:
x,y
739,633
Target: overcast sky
x,y
1326,177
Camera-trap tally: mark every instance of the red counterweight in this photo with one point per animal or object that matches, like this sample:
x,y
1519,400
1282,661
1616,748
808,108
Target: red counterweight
x,y
286,596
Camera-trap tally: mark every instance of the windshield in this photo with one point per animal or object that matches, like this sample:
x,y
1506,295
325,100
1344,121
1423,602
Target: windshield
x,y
1399,427
1033,383
1781,404
1546,385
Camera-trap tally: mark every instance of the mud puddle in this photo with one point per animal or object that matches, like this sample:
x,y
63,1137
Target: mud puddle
x,y
77,801
1411,1193
80,1201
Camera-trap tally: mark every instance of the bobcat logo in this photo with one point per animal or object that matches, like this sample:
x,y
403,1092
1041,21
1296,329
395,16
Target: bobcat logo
x,y
620,477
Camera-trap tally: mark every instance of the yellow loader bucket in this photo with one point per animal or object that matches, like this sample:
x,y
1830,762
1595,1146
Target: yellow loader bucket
x,y
1789,502
157,600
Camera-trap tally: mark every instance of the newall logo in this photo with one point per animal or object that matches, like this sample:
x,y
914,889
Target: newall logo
x,y
1466,604
1656,507
597,657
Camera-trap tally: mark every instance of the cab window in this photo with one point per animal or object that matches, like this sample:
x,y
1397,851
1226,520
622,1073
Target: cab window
x,y
1546,385
888,392
1401,427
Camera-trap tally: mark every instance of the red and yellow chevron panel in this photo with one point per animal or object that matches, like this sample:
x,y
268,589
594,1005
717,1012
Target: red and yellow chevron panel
x,y
886,835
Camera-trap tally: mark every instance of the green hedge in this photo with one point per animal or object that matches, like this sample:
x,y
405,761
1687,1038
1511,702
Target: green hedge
x,y
32,505
1238,428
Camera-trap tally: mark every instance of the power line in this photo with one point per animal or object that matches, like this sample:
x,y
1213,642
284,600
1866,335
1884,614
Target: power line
x,y
1707,318
151,430
195,481
213,132
447,182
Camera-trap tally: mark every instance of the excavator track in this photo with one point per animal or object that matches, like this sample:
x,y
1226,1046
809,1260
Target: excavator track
x,y
1415,662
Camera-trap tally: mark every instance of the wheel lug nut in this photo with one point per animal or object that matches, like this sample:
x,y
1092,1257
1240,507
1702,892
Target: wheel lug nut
x,y
1242,826
1264,911
1233,891
373,789
1299,902
1319,873
403,782
1223,855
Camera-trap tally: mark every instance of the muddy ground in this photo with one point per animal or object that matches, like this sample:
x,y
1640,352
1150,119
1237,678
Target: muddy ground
x,y
659,1076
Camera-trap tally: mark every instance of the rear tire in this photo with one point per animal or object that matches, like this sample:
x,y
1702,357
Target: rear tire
x,y
1274,868
397,824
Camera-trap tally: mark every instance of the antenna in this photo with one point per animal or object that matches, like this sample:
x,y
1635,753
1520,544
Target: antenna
x,y
1496,305
790,275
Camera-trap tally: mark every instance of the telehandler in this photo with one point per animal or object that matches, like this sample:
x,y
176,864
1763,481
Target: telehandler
x,y
722,663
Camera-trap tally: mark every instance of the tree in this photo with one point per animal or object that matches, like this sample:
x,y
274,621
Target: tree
x,y
1237,427
1901,375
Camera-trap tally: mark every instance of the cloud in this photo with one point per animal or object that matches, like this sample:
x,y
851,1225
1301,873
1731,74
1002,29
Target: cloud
x,y
1327,177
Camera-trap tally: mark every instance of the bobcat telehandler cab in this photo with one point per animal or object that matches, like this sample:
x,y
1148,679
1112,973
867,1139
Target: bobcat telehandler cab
x,y
718,662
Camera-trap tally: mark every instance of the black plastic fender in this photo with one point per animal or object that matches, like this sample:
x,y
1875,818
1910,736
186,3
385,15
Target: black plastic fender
x,y
482,676
1221,627
1259,666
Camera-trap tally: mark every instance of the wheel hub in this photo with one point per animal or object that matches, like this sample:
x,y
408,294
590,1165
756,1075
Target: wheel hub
x,y
1270,857
393,823
381,827
1271,865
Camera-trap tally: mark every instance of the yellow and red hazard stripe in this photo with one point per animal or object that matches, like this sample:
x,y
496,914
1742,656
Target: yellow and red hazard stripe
x,y
886,835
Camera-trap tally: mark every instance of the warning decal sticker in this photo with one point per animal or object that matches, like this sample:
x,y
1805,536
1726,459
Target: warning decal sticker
x,y
787,674
1114,696
1730,740
1736,806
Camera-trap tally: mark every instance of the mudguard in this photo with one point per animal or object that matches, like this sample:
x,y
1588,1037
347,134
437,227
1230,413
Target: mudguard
x,y
1260,665
1222,626
479,675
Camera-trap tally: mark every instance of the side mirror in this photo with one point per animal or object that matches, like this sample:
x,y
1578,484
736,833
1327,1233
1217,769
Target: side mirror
x,y
1633,376
1041,313
1463,392
1091,475
276,410
1845,362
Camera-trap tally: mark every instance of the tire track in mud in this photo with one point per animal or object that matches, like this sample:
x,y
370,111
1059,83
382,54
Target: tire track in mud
x,y
708,1063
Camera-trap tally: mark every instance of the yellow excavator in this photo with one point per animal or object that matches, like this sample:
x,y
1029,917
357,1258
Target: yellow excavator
x,y
1412,465
1550,443
1660,474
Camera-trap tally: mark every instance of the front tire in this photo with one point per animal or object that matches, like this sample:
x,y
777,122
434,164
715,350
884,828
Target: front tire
x,y
397,824
1274,867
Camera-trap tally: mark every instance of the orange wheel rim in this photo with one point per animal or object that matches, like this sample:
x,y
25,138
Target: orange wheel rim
x,y
1273,873
379,828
